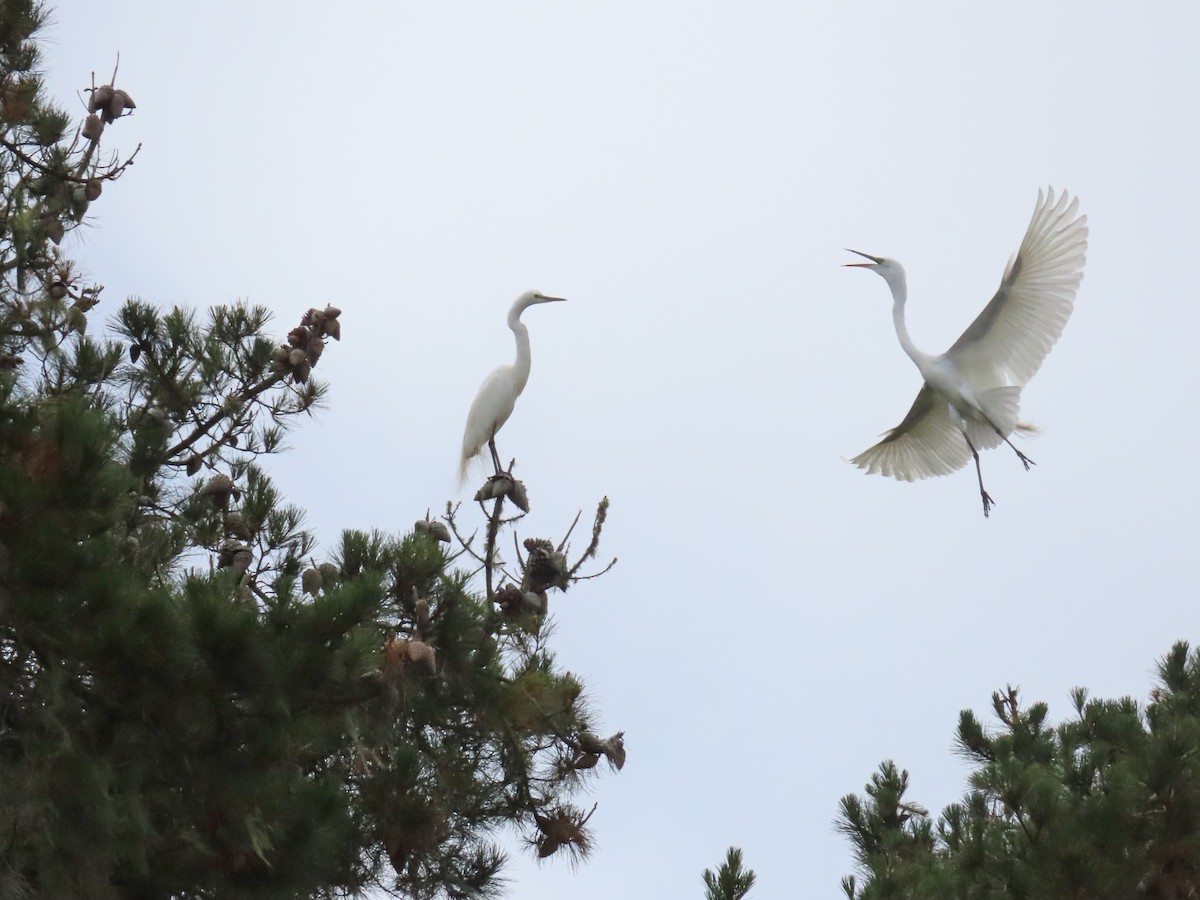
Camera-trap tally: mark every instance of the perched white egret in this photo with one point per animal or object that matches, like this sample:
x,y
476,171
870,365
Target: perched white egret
x,y
499,392
972,391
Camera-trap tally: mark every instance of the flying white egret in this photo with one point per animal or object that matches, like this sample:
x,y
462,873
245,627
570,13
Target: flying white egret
x,y
972,391
499,392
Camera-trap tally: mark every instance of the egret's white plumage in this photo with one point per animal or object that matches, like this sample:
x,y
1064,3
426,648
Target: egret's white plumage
x,y
498,394
971,397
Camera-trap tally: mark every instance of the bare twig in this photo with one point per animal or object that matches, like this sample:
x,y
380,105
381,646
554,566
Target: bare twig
x,y
567,536
465,542
517,549
595,574
110,175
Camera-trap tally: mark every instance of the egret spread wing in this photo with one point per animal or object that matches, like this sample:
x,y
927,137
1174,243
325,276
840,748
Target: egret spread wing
x,y
1011,337
925,444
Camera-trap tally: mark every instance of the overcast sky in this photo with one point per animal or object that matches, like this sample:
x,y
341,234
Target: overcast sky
x,y
688,174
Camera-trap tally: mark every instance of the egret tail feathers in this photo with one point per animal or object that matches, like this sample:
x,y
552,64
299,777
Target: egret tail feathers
x,y
1001,407
464,467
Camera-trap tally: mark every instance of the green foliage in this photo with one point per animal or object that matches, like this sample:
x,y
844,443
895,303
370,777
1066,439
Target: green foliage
x,y
191,704
1104,805
730,881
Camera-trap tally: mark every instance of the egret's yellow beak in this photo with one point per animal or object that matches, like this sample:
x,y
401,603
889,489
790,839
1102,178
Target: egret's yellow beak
x,y
874,260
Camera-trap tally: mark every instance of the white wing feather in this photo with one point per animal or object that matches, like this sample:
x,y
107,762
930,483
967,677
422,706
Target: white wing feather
x,y
925,444
490,409
1011,337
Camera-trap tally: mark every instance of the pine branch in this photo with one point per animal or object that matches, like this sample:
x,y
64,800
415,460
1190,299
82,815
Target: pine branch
x,y
245,396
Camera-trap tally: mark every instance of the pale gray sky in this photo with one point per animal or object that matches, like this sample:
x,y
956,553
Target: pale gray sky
x,y
688,174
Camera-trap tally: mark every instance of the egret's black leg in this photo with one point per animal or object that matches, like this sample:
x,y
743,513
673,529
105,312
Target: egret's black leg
x,y
988,502
495,455
1025,460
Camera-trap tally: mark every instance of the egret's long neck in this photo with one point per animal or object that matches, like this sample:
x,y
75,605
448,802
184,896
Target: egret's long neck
x,y
899,287
521,364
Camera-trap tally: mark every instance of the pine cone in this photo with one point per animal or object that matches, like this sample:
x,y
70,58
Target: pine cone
x,y
536,602
585,761
519,497
434,528
237,526
234,555
100,98
545,567
510,599
219,489
589,743
311,581
613,747
93,127
422,656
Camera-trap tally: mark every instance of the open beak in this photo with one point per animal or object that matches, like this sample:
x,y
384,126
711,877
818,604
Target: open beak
x,y
874,260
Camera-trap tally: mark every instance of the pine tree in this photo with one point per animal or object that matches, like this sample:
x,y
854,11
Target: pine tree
x,y
730,881
1105,805
194,702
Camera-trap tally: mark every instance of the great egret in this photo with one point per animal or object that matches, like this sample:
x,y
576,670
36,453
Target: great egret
x,y
499,392
972,391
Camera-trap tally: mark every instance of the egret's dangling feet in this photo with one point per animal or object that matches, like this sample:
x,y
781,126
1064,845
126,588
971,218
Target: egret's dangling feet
x,y
988,502
1025,460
